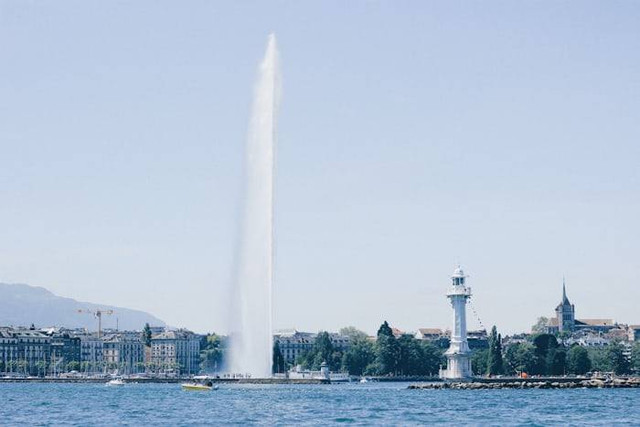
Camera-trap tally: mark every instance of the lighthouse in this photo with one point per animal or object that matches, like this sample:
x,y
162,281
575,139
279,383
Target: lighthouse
x,y
458,361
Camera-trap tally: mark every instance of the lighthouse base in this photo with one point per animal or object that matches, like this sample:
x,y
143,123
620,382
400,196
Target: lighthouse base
x,y
458,367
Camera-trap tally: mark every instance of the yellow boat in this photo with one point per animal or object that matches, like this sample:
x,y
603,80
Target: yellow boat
x,y
198,387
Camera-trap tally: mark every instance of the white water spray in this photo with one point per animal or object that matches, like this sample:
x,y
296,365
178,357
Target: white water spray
x,y
252,341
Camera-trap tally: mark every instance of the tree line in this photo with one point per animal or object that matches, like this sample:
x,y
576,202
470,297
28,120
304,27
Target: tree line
x,y
386,355
543,354
539,354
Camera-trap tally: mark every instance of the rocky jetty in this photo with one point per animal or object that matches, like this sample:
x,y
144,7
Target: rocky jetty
x,y
533,384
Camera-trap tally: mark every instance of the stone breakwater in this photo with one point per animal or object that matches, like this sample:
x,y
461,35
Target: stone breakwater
x,y
533,384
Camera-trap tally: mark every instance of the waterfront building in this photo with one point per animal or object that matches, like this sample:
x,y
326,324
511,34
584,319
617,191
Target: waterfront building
x,y
91,353
65,352
458,354
123,352
24,351
294,344
176,352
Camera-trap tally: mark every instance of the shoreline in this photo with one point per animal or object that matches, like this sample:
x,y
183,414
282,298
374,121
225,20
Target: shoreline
x,y
531,383
214,380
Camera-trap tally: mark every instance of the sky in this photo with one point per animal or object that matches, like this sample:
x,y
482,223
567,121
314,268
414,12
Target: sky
x,y
413,136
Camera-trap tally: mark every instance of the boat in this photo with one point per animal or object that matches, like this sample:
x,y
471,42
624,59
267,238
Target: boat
x,y
195,386
363,380
115,382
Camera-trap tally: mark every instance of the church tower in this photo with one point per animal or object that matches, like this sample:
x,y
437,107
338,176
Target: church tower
x,y
565,312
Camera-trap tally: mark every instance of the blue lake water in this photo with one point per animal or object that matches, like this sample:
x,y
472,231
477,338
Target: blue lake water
x,y
371,403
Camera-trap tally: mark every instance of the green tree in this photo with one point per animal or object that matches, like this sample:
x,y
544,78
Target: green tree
x,y
360,355
385,330
479,360
521,357
278,359
599,359
578,362
146,335
322,351
494,360
556,361
545,345
73,366
387,350
212,352
353,333
618,362
431,360
410,356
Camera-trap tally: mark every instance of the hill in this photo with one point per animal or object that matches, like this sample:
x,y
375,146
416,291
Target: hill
x,y
23,305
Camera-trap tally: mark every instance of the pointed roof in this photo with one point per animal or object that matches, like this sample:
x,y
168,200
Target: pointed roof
x,y
565,300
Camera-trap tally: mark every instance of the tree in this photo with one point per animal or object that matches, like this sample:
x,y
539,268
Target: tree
x,y
521,357
618,362
213,348
494,360
146,335
360,355
544,344
540,326
278,359
578,362
432,359
385,330
353,333
556,361
599,359
73,366
479,360
387,350
322,351
409,356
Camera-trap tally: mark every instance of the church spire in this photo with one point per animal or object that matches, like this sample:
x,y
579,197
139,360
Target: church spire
x,y
565,300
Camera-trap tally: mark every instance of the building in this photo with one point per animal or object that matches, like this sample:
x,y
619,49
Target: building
x,y
24,351
429,334
65,352
91,353
633,332
565,319
123,351
478,340
458,354
565,312
294,344
176,352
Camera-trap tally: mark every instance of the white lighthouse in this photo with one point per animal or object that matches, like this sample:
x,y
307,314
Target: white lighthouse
x,y
458,362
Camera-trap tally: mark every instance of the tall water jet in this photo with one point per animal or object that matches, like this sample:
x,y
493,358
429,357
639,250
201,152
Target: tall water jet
x,y
252,340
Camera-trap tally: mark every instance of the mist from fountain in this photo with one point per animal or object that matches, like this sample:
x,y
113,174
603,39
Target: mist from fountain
x,y
251,330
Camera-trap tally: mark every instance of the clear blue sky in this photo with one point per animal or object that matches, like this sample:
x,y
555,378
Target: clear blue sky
x,y
413,135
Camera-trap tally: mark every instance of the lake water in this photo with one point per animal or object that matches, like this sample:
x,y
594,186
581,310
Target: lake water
x,y
371,403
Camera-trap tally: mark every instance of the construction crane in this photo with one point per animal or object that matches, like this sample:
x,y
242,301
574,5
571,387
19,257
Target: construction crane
x,y
97,313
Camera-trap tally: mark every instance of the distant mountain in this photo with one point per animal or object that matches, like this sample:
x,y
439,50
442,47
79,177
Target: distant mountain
x,y
22,305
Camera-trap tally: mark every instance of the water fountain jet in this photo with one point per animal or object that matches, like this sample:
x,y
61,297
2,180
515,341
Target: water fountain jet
x,y
252,339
